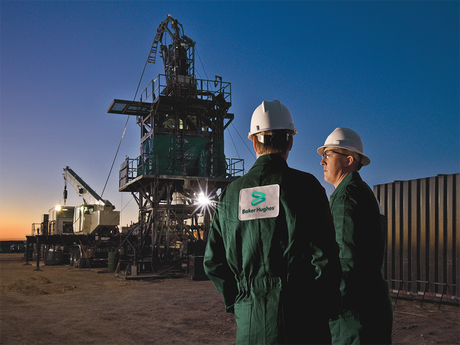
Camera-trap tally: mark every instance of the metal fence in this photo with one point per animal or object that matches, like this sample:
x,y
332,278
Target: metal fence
x,y
423,250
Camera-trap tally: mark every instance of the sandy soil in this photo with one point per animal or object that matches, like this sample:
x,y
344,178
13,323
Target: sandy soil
x,y
65,305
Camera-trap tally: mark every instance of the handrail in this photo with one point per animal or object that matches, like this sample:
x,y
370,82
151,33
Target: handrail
x,y
203,89
129,168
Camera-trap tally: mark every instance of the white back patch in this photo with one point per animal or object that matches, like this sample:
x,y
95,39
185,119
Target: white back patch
x,y
259,202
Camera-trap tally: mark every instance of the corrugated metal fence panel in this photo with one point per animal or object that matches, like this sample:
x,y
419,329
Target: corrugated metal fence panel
x,y
423,250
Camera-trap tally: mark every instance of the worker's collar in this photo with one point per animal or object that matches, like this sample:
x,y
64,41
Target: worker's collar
x,y
271,157
353,175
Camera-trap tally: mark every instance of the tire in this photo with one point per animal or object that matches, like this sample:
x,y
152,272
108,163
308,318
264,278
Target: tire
x,y
81,263
72,257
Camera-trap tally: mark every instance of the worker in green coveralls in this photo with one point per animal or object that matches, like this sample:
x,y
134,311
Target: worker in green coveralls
x,y
271,250
366,315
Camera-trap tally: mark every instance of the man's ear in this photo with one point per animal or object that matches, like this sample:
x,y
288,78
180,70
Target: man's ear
x,y
350,160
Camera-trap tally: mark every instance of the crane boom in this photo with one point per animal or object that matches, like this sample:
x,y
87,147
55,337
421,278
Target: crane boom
x,y
88,195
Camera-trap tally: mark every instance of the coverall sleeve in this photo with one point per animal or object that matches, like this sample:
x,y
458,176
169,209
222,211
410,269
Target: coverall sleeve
x,y
343,215
342,212
216,266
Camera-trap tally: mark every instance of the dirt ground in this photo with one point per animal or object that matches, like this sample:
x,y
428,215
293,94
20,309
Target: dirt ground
x,y
66,305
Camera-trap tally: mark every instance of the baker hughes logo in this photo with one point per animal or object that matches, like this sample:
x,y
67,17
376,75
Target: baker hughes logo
x,y
258,198
259,202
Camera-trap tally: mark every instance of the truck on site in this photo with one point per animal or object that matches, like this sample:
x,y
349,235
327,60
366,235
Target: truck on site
x,y
82,235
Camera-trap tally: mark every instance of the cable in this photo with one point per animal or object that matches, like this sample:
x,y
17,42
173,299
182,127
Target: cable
x,y
114,158
244,142
124,129
199,58
234,145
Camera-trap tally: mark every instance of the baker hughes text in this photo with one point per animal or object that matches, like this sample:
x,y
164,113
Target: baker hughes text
x,y
258,209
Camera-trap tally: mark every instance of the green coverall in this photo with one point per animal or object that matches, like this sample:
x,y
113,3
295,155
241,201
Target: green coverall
x,y
366,315
279,275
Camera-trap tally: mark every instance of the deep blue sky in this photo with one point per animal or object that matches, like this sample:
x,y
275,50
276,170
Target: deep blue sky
x,y
387,69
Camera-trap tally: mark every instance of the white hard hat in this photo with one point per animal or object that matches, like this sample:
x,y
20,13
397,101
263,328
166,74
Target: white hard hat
x,y
345,138
271,115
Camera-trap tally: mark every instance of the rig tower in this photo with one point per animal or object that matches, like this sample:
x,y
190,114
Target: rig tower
x,y
181,167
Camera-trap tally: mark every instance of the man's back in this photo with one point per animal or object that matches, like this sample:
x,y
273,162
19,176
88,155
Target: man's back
x,y
272,254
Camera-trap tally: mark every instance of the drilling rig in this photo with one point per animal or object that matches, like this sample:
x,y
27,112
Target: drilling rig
x,y
181,168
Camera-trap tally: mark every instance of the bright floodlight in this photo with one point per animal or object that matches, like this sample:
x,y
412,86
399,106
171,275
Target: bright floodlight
x,y
58,208
203,200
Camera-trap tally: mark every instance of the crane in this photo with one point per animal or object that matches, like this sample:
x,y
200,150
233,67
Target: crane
x,y
88,195
96,215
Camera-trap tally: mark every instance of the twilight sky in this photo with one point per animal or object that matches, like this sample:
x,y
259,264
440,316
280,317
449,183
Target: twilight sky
x,y
387,69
